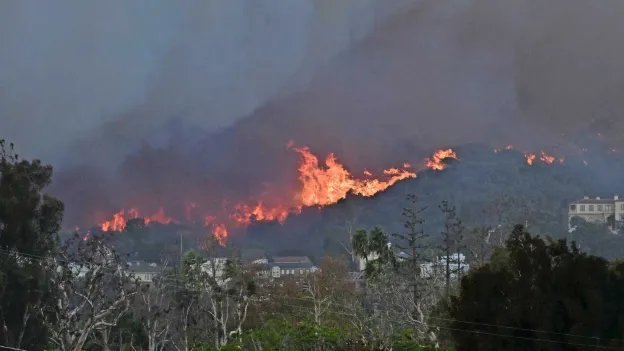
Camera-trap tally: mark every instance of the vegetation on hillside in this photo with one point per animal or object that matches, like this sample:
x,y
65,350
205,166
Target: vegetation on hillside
x,y
523,291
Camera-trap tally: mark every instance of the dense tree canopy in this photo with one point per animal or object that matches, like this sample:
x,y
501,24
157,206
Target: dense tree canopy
x,y
29,222
540,295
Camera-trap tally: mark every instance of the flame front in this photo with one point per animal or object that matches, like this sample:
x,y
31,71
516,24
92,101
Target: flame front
x,y
320,186
327,185
544,157
436,162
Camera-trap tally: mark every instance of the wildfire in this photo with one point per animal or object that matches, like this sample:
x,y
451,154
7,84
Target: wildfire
x,y
436,162
121,218
327,185
321,185
531,157
544,157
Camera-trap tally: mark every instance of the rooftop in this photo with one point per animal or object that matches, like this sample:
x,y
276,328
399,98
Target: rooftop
x,y
291,259
598,200
143,267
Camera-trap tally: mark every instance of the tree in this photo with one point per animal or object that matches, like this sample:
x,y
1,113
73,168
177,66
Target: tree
x,y
29,223
539,295
374,248
219,291
413,239
94,291
326,289
480,246
451,241
154,309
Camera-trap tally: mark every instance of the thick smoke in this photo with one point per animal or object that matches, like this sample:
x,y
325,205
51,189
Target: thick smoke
x,y
113,71
222,86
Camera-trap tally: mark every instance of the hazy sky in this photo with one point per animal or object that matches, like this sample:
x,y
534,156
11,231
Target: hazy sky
x,y
440,72
68,67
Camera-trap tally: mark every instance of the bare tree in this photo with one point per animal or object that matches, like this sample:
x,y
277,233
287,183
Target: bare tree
x,y
451,238
325,288
94,291
413,238
397,308
223,290
480,245
503,213
154,309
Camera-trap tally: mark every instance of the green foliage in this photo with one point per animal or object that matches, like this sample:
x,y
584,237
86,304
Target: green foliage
x,y
29,223
375,248
540,295
407,342
280,334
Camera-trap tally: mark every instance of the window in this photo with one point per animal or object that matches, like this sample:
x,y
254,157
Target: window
x,y
621,217
622,207
599,208
582,208
591,208
608,208
573,208
301,271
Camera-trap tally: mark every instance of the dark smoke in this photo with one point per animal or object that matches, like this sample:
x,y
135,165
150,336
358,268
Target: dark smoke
x,y
441,72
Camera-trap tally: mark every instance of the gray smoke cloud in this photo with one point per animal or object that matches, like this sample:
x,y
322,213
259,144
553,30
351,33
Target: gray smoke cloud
x,y
69,68
376,81
530,73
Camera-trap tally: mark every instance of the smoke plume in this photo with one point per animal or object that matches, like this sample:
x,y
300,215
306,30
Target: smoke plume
x,y
150,99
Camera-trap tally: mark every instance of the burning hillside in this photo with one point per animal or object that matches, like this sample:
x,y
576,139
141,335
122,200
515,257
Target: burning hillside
x,y
320,185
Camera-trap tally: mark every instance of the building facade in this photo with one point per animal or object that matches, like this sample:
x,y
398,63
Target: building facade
x,y
597,210
458,266
279,267
144,271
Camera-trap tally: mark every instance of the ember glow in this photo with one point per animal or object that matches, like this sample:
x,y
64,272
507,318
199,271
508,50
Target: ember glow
x,y
320,185
436,162
531,157
544,157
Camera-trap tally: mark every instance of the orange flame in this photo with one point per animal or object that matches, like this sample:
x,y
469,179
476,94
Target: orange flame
x,y
245,214
544,157
547,158
219,232
436,162
327,185
320,186
121,218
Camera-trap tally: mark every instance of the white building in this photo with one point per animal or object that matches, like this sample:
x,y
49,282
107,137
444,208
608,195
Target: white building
x,y
284,266
144,271
215,267
596,210
437,268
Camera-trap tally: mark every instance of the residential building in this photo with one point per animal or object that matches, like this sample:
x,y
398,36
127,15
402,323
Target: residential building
x,y
597,210
438,267
281,266
144,271
215,267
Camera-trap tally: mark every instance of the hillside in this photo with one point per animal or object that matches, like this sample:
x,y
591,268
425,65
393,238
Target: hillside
x,y
472,184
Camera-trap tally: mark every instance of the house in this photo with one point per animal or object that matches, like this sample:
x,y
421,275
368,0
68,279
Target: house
x,y
144,271
281,266
438,267
597,210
